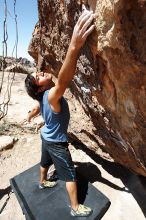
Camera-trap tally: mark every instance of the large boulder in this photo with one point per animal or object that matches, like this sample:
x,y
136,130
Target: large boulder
x,y
110,83
19,68
6,142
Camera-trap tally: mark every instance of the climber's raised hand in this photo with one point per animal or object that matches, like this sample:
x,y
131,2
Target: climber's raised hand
x,y
82,29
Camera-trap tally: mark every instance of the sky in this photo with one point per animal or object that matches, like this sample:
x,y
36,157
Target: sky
x,y
27,17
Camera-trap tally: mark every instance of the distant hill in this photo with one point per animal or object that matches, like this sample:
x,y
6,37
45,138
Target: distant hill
x,y
20,64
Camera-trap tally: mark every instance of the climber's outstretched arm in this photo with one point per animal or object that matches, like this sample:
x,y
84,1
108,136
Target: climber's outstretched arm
x,y
82,29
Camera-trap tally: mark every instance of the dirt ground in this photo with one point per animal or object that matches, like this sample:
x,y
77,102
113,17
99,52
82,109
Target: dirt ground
x,y
125,190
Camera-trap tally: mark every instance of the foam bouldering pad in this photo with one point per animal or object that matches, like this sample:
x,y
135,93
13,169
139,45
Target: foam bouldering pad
x,y
53,203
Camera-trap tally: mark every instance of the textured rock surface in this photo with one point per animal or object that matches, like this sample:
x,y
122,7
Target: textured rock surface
x,y
110,84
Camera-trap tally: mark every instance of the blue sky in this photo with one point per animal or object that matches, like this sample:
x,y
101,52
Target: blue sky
x,y
27,17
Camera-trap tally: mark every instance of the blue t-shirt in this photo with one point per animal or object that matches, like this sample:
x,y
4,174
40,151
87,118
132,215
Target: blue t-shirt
x,y
56,124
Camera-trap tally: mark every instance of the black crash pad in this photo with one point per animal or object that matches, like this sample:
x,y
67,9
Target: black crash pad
x,y
53,204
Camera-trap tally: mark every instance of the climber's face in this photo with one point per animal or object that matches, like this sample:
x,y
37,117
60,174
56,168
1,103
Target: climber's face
x,y
43,80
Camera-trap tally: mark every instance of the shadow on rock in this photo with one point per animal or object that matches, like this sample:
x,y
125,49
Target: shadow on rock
x,y
135,184
91,173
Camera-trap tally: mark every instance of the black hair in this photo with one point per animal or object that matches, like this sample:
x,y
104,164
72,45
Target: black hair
x,y
32,88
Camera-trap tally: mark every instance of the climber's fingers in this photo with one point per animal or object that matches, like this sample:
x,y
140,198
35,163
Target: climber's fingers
x,y
84,13
81,31
88,31
87,23
87,15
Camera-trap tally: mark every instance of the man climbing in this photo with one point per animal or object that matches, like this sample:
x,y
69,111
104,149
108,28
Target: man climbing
x,y
55,112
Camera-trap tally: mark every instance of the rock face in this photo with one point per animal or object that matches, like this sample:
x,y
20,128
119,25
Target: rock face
x,y
110,83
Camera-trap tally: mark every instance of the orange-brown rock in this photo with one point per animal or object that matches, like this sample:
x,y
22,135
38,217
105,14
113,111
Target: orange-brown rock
x,y
110,83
